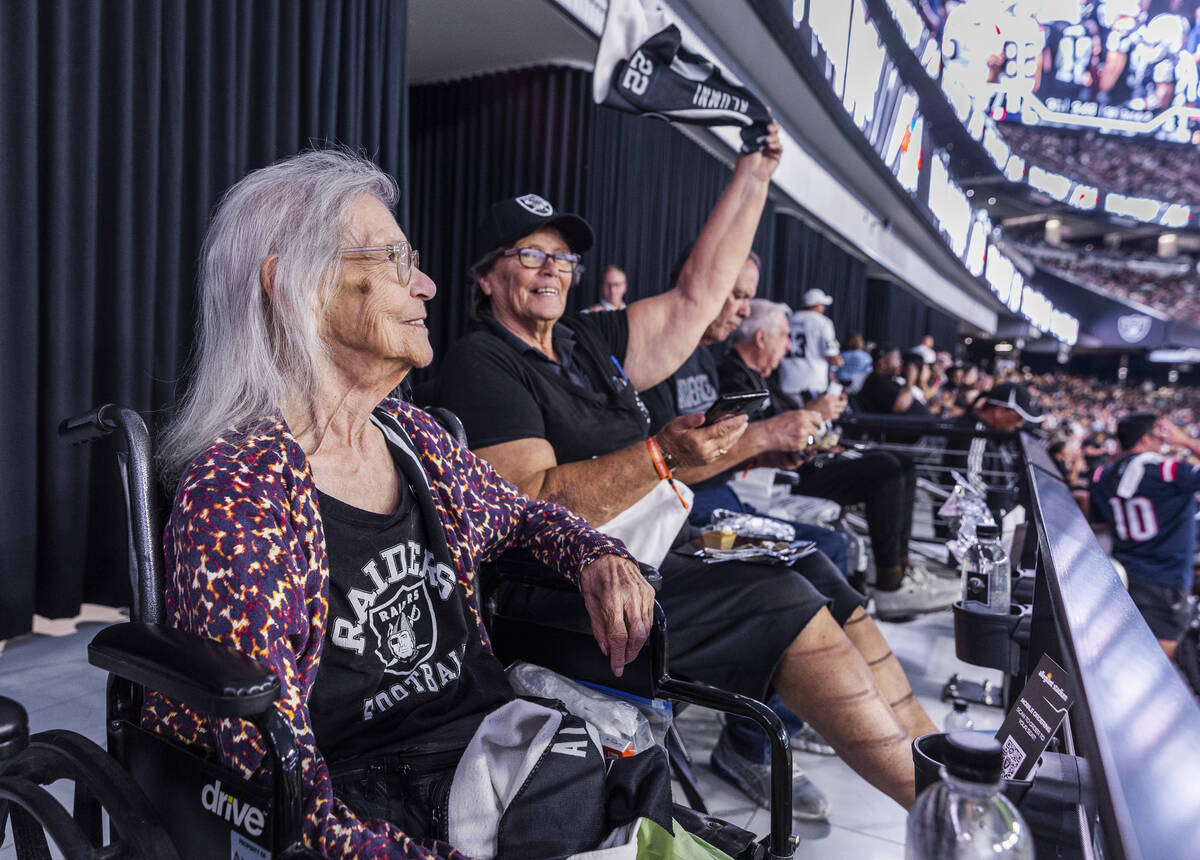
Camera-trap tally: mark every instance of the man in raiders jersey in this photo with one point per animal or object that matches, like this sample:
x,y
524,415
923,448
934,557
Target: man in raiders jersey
x,y
1072,50
814,348
1149,502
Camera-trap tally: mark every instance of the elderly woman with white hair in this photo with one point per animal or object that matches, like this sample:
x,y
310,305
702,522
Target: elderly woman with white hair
x,y
333,533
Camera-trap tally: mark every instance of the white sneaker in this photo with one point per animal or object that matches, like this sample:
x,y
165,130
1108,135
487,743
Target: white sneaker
x,y
933,570
916,595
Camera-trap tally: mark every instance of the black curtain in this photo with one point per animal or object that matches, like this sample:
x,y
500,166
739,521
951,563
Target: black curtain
x,y
807,259
645,188
898,318
944,329
123,123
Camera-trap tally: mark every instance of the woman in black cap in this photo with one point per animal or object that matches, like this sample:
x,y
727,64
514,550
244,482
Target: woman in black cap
x,y
551,402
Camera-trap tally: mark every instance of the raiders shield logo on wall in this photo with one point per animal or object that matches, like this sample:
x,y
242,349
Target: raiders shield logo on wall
x,y
1133,327
404,628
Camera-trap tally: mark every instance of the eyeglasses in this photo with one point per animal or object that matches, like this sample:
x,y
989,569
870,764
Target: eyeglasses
x,y
406,257
535,258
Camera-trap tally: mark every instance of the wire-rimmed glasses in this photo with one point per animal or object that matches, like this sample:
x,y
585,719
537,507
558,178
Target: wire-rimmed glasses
x,y
406,257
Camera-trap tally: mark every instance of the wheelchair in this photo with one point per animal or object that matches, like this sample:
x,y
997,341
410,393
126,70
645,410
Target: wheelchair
x,y
163,800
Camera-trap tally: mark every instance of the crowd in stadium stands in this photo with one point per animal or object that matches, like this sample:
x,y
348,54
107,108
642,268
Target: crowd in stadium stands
x,y
1137,168
1172,290
1082,415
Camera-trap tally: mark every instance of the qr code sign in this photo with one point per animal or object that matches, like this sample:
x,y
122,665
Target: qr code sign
x,y
1013,756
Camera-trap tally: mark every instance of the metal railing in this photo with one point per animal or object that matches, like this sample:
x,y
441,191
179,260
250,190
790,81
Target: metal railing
x,y
1135,721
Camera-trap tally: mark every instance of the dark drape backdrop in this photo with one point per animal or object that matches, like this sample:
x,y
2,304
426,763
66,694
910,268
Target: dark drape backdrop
x,y
896,317
645,188
944,329
123,122
807,259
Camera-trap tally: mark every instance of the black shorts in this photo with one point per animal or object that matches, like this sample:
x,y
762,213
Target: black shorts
x,y
728,624
829,581
1164,607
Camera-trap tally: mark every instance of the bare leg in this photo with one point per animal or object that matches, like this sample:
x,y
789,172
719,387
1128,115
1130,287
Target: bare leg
x,y
825,680
889,674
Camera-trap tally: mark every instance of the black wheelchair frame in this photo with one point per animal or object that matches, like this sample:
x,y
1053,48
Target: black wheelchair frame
x,y
147,784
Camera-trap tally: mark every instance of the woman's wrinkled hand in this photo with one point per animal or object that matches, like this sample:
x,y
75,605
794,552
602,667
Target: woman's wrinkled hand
x,y
620,604
693,445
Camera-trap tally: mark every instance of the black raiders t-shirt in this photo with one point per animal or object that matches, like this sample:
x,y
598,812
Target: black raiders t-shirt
x,y
402,661
692,388
504,389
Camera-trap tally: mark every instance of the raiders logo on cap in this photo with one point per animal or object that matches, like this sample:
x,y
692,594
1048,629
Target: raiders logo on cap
x,y
536,205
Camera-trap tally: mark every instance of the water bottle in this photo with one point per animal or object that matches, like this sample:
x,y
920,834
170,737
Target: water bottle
x,y
987,578
958,720
965,815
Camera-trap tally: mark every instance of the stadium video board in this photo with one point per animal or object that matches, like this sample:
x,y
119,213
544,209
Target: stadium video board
x,y
1118,66
844,40
857,68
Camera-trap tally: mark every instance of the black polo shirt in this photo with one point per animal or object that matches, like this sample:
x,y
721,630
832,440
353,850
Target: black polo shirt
x,y
504,390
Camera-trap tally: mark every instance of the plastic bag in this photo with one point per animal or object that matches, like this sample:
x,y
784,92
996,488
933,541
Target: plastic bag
x,y
752,527
966,508
627,724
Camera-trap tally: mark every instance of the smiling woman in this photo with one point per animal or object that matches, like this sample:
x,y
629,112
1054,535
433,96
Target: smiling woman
x,y
319,524
378,309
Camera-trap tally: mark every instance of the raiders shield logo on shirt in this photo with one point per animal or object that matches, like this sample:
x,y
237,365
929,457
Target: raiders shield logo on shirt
x,y
404,628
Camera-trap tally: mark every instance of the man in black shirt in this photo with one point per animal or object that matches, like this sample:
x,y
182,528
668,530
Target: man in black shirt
x,y
992,466
891,388
883,481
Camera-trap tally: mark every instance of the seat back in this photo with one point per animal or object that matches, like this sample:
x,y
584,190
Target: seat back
x,y
136,461
209,810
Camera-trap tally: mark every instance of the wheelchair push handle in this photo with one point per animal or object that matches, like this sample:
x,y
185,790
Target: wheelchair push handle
x,y
653,577
93,424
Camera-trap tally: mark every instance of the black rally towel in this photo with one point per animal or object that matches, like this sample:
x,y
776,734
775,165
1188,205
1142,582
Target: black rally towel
x,y
642,68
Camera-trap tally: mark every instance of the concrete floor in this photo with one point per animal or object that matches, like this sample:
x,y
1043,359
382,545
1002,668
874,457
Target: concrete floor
x,y
47,671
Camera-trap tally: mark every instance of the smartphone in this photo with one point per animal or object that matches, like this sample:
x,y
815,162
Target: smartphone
x,y
736,404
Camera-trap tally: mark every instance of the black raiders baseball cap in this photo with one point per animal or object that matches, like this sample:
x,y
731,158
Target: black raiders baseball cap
x,y
509,219
1014,396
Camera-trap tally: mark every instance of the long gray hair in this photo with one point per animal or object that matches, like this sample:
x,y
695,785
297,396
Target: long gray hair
x,y
255,353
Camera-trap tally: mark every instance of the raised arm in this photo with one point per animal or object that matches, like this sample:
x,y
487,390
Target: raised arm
x,y
665,329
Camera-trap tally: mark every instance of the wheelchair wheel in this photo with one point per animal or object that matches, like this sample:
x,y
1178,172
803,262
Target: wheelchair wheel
x,y
100,787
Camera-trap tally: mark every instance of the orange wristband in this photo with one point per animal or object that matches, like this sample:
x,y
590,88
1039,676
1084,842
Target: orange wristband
x,y
660,467
656,456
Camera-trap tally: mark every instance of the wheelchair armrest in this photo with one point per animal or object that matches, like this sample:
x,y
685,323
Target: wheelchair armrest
x,y
522,567
203,674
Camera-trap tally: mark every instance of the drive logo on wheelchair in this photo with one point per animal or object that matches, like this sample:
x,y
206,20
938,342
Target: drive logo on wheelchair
x,y
237,812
